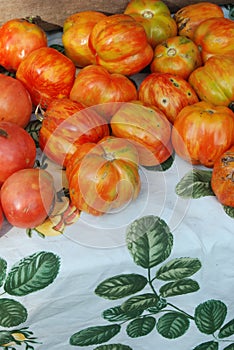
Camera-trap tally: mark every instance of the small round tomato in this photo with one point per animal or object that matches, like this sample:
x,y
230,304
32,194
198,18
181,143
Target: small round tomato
x,y
222,178
202,132
47,74
15,101
27,197
19,37
17,150
176,55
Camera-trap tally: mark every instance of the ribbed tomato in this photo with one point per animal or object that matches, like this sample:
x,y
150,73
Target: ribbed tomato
x,y
94,85
202,132
189,17
67,124
103,177
120,44
147,128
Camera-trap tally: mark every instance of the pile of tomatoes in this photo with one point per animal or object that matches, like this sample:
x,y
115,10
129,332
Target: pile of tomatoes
x,y
98,125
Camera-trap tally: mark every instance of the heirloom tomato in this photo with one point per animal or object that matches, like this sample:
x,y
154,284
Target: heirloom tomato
x,y
222,178
27,197
15,101
19,37
147,128
214,82
94,85
168,92
17,150
189,17
67,124
47,74
103,177
215,36
75,38
177,55
202,132
155,17
120,44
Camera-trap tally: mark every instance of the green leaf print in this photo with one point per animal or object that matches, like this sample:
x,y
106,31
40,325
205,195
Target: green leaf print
x,y
163,166
195,184
32,273
113,347
227,330
3,268
229,211
116,314
172,325
121,286
137,304
5,337
183,286
12,313
94,335
178,268
210,345
210,315
229,347
140,327
149,241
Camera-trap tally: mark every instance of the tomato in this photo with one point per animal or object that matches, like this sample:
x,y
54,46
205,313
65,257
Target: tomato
x,y
147,128
120,44
222,178
155,17
213,82
176,55
215,36
94,85
17,150
189,17
67,124
168,92
202,132
19,37
27,197
103,177
75,38
47,74
15,101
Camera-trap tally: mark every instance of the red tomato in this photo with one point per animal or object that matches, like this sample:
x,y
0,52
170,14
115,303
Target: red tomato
x,y
15,101
17,150
18,38
27,197
47,74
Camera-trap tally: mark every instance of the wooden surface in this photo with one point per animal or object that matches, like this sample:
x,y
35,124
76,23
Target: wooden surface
x,y
56,12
